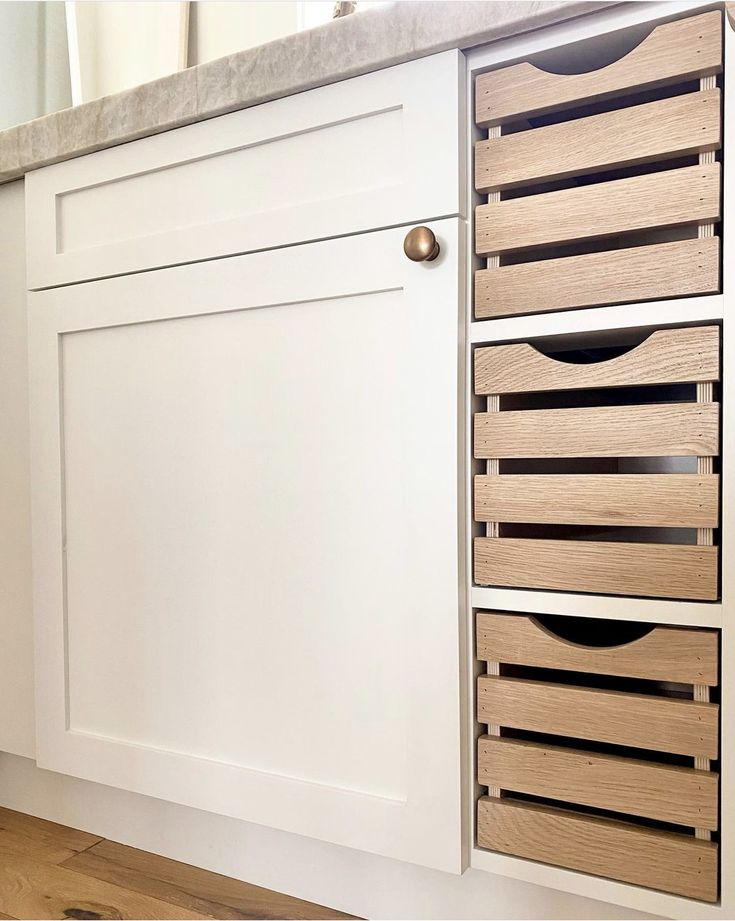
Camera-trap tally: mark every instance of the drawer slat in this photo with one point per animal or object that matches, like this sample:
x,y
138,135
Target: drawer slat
x,y
667,356
678,269
690,195
666,793
655,430
673,52
675,500
676,863
665,724
678,126
675,654
605,567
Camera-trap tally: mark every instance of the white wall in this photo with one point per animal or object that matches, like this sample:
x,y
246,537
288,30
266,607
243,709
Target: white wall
x,y
122,43
221,28
34,66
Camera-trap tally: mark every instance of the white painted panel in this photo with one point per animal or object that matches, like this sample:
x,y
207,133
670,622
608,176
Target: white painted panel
x,y
17,728
252,465
275,176
375,151
229,479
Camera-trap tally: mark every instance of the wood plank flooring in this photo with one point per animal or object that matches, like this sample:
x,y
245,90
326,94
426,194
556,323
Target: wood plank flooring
x,y
51,871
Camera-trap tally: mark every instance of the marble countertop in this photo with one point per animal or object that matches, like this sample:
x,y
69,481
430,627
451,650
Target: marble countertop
x,y
343,48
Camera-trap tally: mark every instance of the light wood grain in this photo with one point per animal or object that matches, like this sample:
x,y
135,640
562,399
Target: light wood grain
x,y
665,724
673,52
660,270
654,430
190,887
689,195
606,847
677,654
31,889
663,792
674,500
39,839
607,567
679,126
667,356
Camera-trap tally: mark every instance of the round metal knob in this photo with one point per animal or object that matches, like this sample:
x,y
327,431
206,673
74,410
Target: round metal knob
x,y
421,245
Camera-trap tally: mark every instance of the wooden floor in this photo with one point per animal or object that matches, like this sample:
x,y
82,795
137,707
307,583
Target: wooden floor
x,y
50,871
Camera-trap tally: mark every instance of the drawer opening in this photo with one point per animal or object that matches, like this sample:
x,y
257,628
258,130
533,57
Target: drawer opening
x,y
593,396
581,809
593,178
591,54
592,747
592,631
602,533
628,685
636,240
560,465
569,353
600,106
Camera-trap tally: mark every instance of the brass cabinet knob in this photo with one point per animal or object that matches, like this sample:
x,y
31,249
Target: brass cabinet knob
x,y
421,245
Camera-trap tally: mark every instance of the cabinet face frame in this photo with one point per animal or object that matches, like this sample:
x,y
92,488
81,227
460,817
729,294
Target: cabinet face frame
x,y
675,312
423,827
189,194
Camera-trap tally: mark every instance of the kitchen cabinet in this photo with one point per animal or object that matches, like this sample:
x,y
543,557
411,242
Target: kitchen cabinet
x,y
276,579
246,538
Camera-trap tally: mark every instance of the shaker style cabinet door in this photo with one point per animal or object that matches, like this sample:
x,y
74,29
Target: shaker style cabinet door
x,y
245,530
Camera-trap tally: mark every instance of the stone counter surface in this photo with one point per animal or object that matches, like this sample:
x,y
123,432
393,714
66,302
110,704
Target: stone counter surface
x,y
356,44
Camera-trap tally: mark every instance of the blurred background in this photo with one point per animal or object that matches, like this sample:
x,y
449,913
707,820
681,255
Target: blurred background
x,y
54,54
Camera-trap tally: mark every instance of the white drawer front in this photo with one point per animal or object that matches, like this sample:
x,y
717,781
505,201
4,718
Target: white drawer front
x,y
370,152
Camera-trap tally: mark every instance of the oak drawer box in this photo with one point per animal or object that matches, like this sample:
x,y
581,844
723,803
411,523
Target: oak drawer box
x,y
602,754
603,479
284,172
610,192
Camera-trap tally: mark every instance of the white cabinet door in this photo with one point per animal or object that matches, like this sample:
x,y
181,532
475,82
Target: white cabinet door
x,y
246,539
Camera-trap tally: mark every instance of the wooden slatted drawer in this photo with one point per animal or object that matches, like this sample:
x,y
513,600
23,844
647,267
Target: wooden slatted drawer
x,y
607,768
639,517
617,166
673,53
